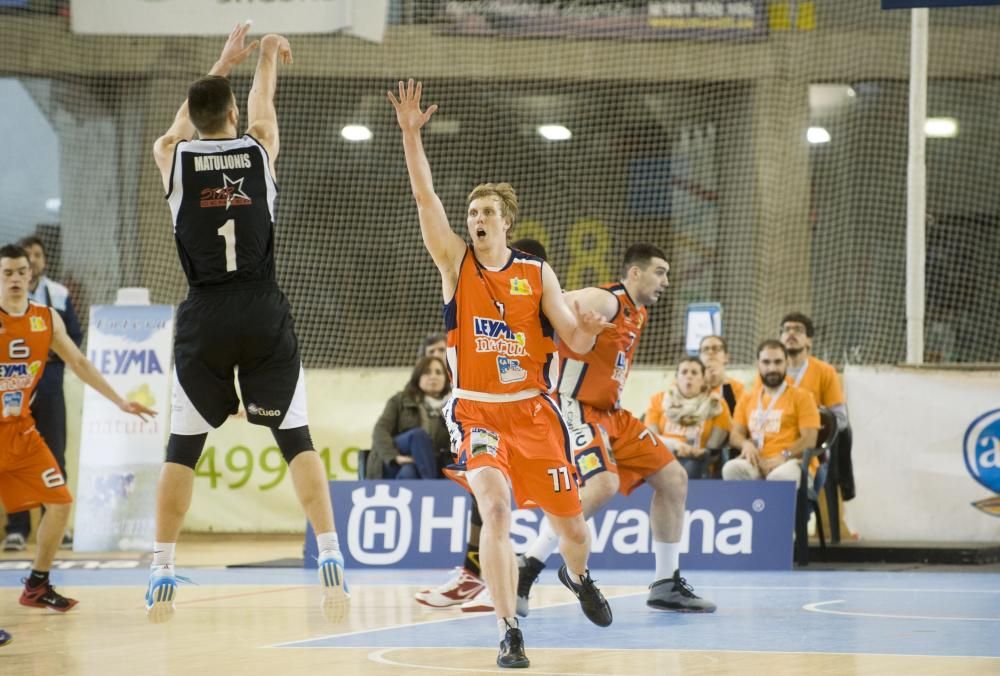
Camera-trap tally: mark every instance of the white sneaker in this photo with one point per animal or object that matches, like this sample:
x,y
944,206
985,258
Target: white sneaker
x,y
480,603
160,594
14,542
336,602
461,587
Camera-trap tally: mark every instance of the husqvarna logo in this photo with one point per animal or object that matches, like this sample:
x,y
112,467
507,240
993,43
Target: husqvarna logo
x,y
981,448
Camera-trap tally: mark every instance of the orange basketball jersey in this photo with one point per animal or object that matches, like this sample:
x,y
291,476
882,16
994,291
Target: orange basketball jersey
x,y
598,377
499,342
24,349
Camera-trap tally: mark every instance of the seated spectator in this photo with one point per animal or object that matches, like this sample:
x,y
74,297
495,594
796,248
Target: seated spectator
x,y
434,345
714,353
693,422
775,423
410,440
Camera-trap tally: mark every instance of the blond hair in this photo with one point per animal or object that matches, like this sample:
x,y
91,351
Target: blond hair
x,y
503,192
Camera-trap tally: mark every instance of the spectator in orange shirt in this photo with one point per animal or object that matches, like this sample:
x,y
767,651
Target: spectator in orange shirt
x,y
690,420
808,372
775,423
714,353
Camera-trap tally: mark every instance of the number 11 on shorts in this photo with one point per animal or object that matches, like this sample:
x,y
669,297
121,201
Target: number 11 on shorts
x,y
554,473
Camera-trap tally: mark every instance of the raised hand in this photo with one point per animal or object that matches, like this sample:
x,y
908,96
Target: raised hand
x,y
590,322
235,52
279,42
407,106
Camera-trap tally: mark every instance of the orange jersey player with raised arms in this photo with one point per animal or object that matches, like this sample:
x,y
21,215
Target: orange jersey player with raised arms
x,y
613,449
502,311
29,473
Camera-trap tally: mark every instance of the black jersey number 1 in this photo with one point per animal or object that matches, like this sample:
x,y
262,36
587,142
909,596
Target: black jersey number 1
x,y
228,233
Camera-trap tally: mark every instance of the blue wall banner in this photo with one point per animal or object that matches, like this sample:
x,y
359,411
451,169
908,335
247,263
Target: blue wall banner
x,y
731,525
120,455
630,20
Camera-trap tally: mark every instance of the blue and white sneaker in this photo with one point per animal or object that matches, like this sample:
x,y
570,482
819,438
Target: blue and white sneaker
x,y
336,596
5,638
160,594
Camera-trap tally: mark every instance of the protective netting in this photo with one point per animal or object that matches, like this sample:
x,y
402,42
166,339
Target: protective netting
x,y
687,131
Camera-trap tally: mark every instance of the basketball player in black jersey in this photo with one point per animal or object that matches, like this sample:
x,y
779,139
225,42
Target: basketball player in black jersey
x,y
221,190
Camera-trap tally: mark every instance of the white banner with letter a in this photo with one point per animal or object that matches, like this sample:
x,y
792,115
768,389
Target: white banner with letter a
x,y
120,455
363,18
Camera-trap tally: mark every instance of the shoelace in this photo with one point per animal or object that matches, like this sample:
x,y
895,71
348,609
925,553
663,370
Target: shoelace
x,y
681,585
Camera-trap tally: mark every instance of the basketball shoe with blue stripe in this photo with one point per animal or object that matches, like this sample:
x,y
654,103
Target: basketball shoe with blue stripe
x,y
336,601
160,594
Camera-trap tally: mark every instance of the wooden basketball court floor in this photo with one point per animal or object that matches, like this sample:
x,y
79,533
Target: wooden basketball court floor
x,y
267,621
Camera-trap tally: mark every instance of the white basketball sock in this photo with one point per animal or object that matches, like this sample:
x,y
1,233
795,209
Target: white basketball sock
x,y
163,553
327,542
546,543
668,558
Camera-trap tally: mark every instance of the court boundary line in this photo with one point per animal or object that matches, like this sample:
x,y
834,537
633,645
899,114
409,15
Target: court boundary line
x,y
815,608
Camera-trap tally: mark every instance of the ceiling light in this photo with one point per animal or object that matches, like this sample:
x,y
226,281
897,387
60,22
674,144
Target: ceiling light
x,y
356,133
941,127
554,132
816,135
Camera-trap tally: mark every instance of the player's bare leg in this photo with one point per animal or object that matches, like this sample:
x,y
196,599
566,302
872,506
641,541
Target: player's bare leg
x,y
574,544
496,557
38,591
670,591
313,491
594,494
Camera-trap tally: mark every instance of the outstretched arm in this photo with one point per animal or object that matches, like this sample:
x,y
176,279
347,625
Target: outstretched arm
x,y
263,120
232,55
64,346
444,246
579,319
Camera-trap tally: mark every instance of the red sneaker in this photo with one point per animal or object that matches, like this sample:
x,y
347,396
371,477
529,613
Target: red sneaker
x,y
461,587
45,596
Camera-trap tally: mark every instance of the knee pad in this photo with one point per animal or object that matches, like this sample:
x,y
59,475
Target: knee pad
x,y
185,449
293,441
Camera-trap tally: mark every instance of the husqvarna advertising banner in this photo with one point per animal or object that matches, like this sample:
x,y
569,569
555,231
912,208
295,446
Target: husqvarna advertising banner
x,y
728,525
120,455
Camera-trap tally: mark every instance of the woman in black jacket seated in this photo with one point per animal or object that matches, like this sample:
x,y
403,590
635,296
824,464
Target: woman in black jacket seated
x,y
410,440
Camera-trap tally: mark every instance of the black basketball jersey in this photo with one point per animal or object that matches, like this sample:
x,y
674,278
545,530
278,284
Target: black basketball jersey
x,y
222,198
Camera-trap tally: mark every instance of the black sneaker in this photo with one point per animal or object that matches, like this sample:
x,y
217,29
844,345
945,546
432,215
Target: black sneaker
x,y
594,605
675,594
528,568
45,596
511,654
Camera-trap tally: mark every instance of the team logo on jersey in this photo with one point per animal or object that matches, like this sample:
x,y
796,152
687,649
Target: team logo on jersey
x,y
230,194
520,287
981,447
483,441
510,370
621,368
12,402
493,335
38,324
18,375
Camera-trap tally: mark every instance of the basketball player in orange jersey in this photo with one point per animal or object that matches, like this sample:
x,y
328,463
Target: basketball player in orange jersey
x,y
614,451
502,311
29,473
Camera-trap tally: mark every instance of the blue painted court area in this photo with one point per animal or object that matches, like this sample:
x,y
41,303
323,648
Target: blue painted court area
x,y
822,612
892,613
